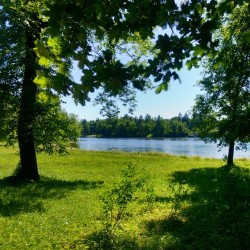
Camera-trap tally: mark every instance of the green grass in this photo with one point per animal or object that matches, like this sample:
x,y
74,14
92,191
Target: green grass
x,y
197,204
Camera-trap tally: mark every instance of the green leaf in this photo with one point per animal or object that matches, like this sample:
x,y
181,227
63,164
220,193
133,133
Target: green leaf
x,y
198,51
162,87
189,64
245,36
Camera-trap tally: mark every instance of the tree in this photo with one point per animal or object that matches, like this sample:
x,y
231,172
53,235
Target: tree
x,y
85,127
178,128
10,73
222,113
159,128
54,129
29,114
43,38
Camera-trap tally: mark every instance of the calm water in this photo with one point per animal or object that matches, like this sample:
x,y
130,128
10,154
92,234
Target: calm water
x,y
180,146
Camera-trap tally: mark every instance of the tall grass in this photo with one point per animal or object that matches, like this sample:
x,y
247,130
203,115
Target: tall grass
x,y
197,204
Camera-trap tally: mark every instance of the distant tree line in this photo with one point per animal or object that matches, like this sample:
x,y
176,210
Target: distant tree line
x,y
148,126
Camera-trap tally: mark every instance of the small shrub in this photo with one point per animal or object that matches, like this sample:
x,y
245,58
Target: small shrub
x,y
180,191
115,210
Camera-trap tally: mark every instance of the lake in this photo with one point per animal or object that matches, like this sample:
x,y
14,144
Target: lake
x,y
177,146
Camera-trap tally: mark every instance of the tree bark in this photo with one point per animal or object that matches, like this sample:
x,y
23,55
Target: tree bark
x,y
230,157
28,170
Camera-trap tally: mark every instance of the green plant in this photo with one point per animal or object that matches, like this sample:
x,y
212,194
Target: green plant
x,y
115,203
180,191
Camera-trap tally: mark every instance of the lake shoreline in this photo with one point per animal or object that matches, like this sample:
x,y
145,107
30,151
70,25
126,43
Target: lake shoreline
x,y
139,137
193,146
188,146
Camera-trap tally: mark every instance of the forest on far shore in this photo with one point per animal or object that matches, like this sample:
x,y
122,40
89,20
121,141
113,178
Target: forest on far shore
x,y
148,126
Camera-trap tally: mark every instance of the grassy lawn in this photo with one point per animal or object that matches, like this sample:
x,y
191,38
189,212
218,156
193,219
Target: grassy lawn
x,y
196,204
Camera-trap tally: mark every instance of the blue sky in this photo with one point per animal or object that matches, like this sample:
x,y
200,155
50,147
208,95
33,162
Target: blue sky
x,y
178,99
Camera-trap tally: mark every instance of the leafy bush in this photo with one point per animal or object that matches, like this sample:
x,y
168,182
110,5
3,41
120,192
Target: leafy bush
x,y
115,210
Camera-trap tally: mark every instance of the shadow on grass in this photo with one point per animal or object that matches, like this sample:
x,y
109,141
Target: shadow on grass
x,y
214,215
26,197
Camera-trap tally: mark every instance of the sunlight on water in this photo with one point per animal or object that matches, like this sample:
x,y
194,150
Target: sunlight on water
x,y
178,146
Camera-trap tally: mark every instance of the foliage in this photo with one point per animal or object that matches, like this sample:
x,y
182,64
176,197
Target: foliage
x,y
128,126
115,209
222,113
10,71
109,105
44,38
190,25
179,191
55,129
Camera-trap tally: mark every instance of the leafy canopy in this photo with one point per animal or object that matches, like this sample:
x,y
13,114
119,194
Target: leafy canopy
x,y
113,43
222,113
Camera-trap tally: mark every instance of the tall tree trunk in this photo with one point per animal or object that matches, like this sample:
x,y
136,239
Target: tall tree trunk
x,y
230,157
28,163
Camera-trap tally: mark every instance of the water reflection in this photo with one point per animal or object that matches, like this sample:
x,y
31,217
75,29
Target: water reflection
x,y
178,146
